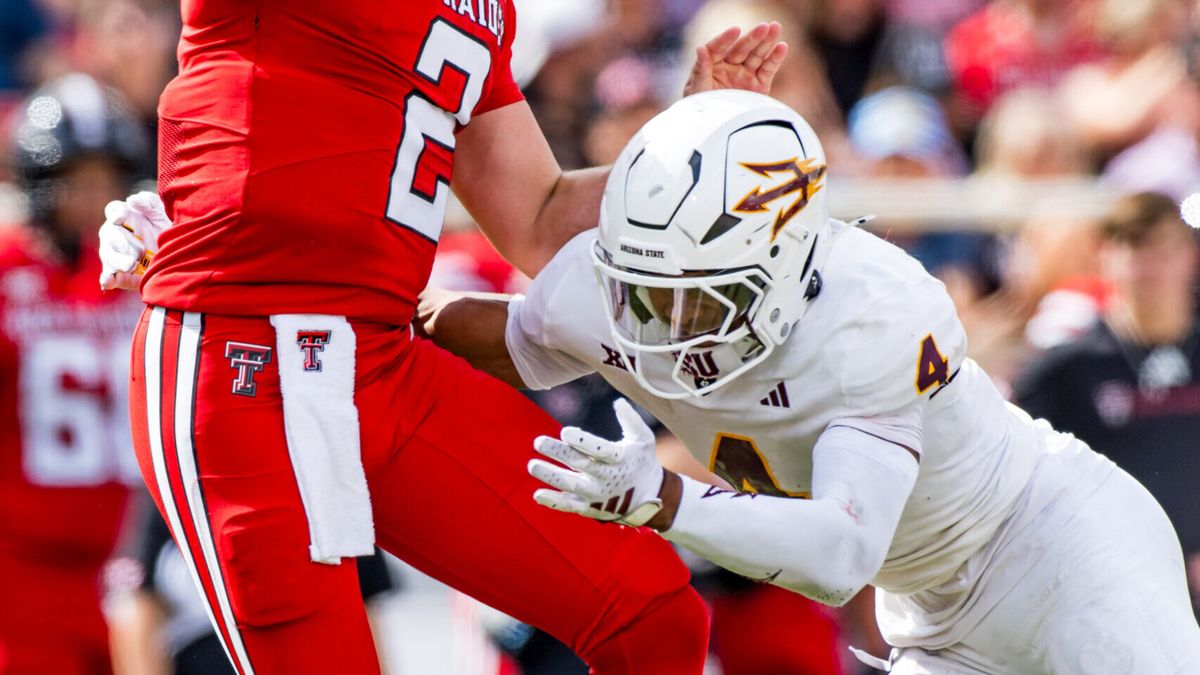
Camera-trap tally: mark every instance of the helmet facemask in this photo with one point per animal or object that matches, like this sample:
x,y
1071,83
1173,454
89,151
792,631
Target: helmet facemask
x,y
703,321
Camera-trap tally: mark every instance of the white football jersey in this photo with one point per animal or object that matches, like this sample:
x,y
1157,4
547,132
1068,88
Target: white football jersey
x,y
880,348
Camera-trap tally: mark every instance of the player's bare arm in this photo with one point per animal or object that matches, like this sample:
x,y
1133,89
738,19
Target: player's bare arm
x,y
470,325
504,173
507,176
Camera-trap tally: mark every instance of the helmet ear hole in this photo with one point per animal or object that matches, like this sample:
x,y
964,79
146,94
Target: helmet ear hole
x,y
775,251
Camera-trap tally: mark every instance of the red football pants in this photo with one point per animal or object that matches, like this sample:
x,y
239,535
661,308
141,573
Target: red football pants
x,y
767,630
444,449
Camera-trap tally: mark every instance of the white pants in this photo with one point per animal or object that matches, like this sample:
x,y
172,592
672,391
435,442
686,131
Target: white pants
x,y
1106,594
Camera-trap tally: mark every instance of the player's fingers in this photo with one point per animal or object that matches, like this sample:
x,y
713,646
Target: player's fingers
x,y
761,50
561,501
563,479
701,76
150,207
119,248
774,60
128,281
114,212
745,44
771,66
561,452
722,42
146,201
112,280
599,449
632,425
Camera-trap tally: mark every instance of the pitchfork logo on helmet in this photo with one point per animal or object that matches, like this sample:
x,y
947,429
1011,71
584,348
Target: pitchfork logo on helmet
x,y
806,180
713,227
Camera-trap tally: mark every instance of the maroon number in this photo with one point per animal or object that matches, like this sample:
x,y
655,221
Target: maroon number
x,y
932,368
738,460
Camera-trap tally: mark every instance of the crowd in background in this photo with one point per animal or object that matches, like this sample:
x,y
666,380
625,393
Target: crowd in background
x,y
1029,90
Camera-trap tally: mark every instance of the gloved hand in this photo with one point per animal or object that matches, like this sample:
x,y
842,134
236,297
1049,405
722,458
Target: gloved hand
x,y
129,239
606,480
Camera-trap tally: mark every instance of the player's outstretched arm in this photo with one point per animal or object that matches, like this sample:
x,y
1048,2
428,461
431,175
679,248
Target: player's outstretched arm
x,y
470,325
827,548
510,182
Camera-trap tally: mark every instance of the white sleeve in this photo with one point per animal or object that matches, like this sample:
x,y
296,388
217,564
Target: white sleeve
x,y
901,427
919,325
539,365
826,548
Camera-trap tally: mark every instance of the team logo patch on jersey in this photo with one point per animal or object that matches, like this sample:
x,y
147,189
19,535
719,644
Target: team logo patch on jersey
x,y
248,359
702,367
311,342
778,397
613,358
806,179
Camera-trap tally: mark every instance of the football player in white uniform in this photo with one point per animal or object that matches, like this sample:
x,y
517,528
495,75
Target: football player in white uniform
x,y
822,373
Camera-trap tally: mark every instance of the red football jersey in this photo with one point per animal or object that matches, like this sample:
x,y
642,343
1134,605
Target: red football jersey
x,y
66,458
306,146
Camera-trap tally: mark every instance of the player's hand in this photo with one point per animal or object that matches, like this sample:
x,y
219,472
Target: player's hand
x,y
129,239
735,61
606,480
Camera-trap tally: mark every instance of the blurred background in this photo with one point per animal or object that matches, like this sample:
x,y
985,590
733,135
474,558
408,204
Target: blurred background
x,y
1030,153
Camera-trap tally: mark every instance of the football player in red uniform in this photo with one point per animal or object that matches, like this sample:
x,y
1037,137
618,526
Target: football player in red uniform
x,y
66,465
284,414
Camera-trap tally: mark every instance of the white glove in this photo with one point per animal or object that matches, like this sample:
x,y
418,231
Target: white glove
x,y
607,480
129,239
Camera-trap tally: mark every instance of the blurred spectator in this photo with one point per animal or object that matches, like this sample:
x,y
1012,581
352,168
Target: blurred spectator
x,y
901,133
801,82
1025,135
66,461
1166,161
130,45
548,26
847,35
1048,264
563,94
626,98
1121,98
21,24
912,51
1130,386
1017,43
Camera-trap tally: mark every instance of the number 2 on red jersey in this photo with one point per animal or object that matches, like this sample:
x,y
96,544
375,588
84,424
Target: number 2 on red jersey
x,y
421,176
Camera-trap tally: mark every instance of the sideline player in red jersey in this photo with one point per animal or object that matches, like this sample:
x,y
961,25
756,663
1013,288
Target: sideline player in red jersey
x,y
66,467
285,416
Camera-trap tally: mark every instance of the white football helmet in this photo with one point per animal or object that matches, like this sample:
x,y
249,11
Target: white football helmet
x,y
710,239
